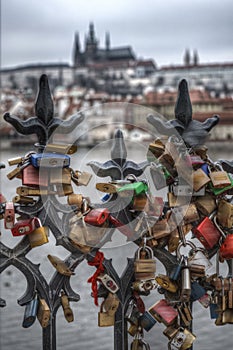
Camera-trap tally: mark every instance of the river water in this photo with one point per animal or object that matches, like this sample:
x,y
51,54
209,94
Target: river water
x,y
84,333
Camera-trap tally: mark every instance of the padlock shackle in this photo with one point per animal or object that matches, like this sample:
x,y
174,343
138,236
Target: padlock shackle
x,y
218,227
189,243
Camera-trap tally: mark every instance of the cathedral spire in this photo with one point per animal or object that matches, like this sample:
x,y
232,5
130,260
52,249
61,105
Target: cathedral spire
x,y
195,58
107,41
76,49
187,58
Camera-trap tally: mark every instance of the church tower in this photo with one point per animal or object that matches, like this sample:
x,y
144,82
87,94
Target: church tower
x,y
187,58
107,41
91,43
76,50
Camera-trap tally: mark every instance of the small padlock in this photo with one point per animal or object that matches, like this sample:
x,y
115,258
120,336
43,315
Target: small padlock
x,y
60,177
75,199
156,149
111,303
219,179
9,215
144,264
206,204
147,321
30,312
165,282
221,190
185,281
200,179
225,213
60,148
190,338
68,313
205,300
108,282
163,312
197,291
170,332
49,160
81,178
60,265
132,313
199,256
24,227
97,217
178,340
197,271
144,286
23,200
214,307
207,232
33,191
104,318
40,234
64,190
161,229
31,176
43,313
16,161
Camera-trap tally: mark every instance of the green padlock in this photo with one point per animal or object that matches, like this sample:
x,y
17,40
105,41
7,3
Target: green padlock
x,y
218,191
136,187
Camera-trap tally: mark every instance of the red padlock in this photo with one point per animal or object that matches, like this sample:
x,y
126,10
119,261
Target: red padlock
x,y
97,217
24,227
226,249
207,233
163,312
9,215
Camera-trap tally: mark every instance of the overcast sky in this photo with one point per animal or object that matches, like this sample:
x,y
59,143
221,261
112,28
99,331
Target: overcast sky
x,y
43,31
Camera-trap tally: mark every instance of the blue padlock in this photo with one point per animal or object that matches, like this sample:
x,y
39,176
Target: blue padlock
x,y
30,313
106,197
49,160
205,168
213,311
197,291
147,321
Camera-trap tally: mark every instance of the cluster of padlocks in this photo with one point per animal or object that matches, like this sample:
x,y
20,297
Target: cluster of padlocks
x,y
199,199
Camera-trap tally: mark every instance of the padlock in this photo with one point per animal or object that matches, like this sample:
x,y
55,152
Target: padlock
x,y
207,232
227,316
144,264
9,215
139,202
111,303
163,312
40,234
139,343
197,271
170,332
226,249
189,213
68,313
64,190
225,213
132,313
185,281
173,241
200,179
92,235
75,199
60,265
206,204
77,234
165,282
137,187
197,291
219,179
156,149
196,160
30,312
175,201
49,160
167,161
178,340
108,282
198,256
60,177
219,191
16,161
144,286
201,151
23,200
133,329
154,206
104,319
17,171
81,178
30,191
161,229
147,321
190,338
185,313
97,217
74,240
31,176
214,308
60,148
43,313
23,227
205,300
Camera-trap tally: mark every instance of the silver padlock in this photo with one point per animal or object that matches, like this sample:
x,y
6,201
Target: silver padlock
x,y
185,281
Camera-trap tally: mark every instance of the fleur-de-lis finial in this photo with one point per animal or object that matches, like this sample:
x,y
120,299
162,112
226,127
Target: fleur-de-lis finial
x,y
44,124
193,132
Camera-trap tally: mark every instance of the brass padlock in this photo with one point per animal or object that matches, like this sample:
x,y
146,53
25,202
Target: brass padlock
x,y
30,191
161,229
219,179
190,338
225,213
68,313
60,176
60,148
111,303
144,264
75,199
60,265
64,189
16,161
166,283
39,236
206,204
23,200
156,148
81,178
43,313
200,179
104,318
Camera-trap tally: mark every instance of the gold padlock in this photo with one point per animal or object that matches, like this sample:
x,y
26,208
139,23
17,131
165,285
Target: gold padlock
x,y
156,148
81,178
200,179
161,229
144,264
39,236
104,318
75,199
190,338
206,204
22,200
12,174
61,176
165,282
64,189
225,213
68,313
175,201
60,148
60,265
15,161
43,313
220,179
111,303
